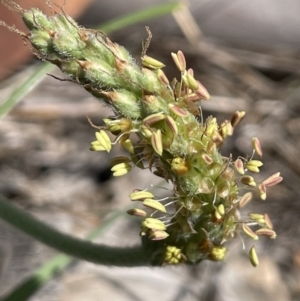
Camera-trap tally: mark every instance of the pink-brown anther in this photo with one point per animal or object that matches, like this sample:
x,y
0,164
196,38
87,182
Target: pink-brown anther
x,y
268,222
257,146
273,180
239,166
162,77
246,198
179,60
178,111
237,117
202,92
262,190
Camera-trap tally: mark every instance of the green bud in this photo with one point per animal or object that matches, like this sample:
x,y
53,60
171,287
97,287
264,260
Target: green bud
x,y
179,166
217,253
41,40
173,255
68,46
154,104
35,19
126,102
98,74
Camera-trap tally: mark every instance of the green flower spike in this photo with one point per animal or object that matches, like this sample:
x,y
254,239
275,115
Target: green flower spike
x,y
173,141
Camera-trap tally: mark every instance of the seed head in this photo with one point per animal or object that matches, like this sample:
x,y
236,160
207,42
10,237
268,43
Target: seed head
x,y
174,142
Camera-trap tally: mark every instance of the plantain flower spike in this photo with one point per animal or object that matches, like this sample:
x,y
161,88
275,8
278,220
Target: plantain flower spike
x,y
201,213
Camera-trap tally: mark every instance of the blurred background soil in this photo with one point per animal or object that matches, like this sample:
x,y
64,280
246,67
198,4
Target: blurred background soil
x,y
247,55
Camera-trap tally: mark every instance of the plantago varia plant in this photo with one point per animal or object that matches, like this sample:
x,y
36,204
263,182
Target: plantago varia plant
x,y
174,142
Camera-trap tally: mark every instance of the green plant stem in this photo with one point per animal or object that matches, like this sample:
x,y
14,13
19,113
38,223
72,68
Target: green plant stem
x,y
85,250
48,271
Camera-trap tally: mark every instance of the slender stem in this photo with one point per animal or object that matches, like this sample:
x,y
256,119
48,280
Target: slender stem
x,y
101,254
30,285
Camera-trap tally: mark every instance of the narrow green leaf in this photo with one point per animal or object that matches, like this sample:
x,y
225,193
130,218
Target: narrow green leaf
x,y
20,92
142,15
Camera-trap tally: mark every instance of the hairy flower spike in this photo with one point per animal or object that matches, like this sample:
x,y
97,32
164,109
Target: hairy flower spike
x,y
201,212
